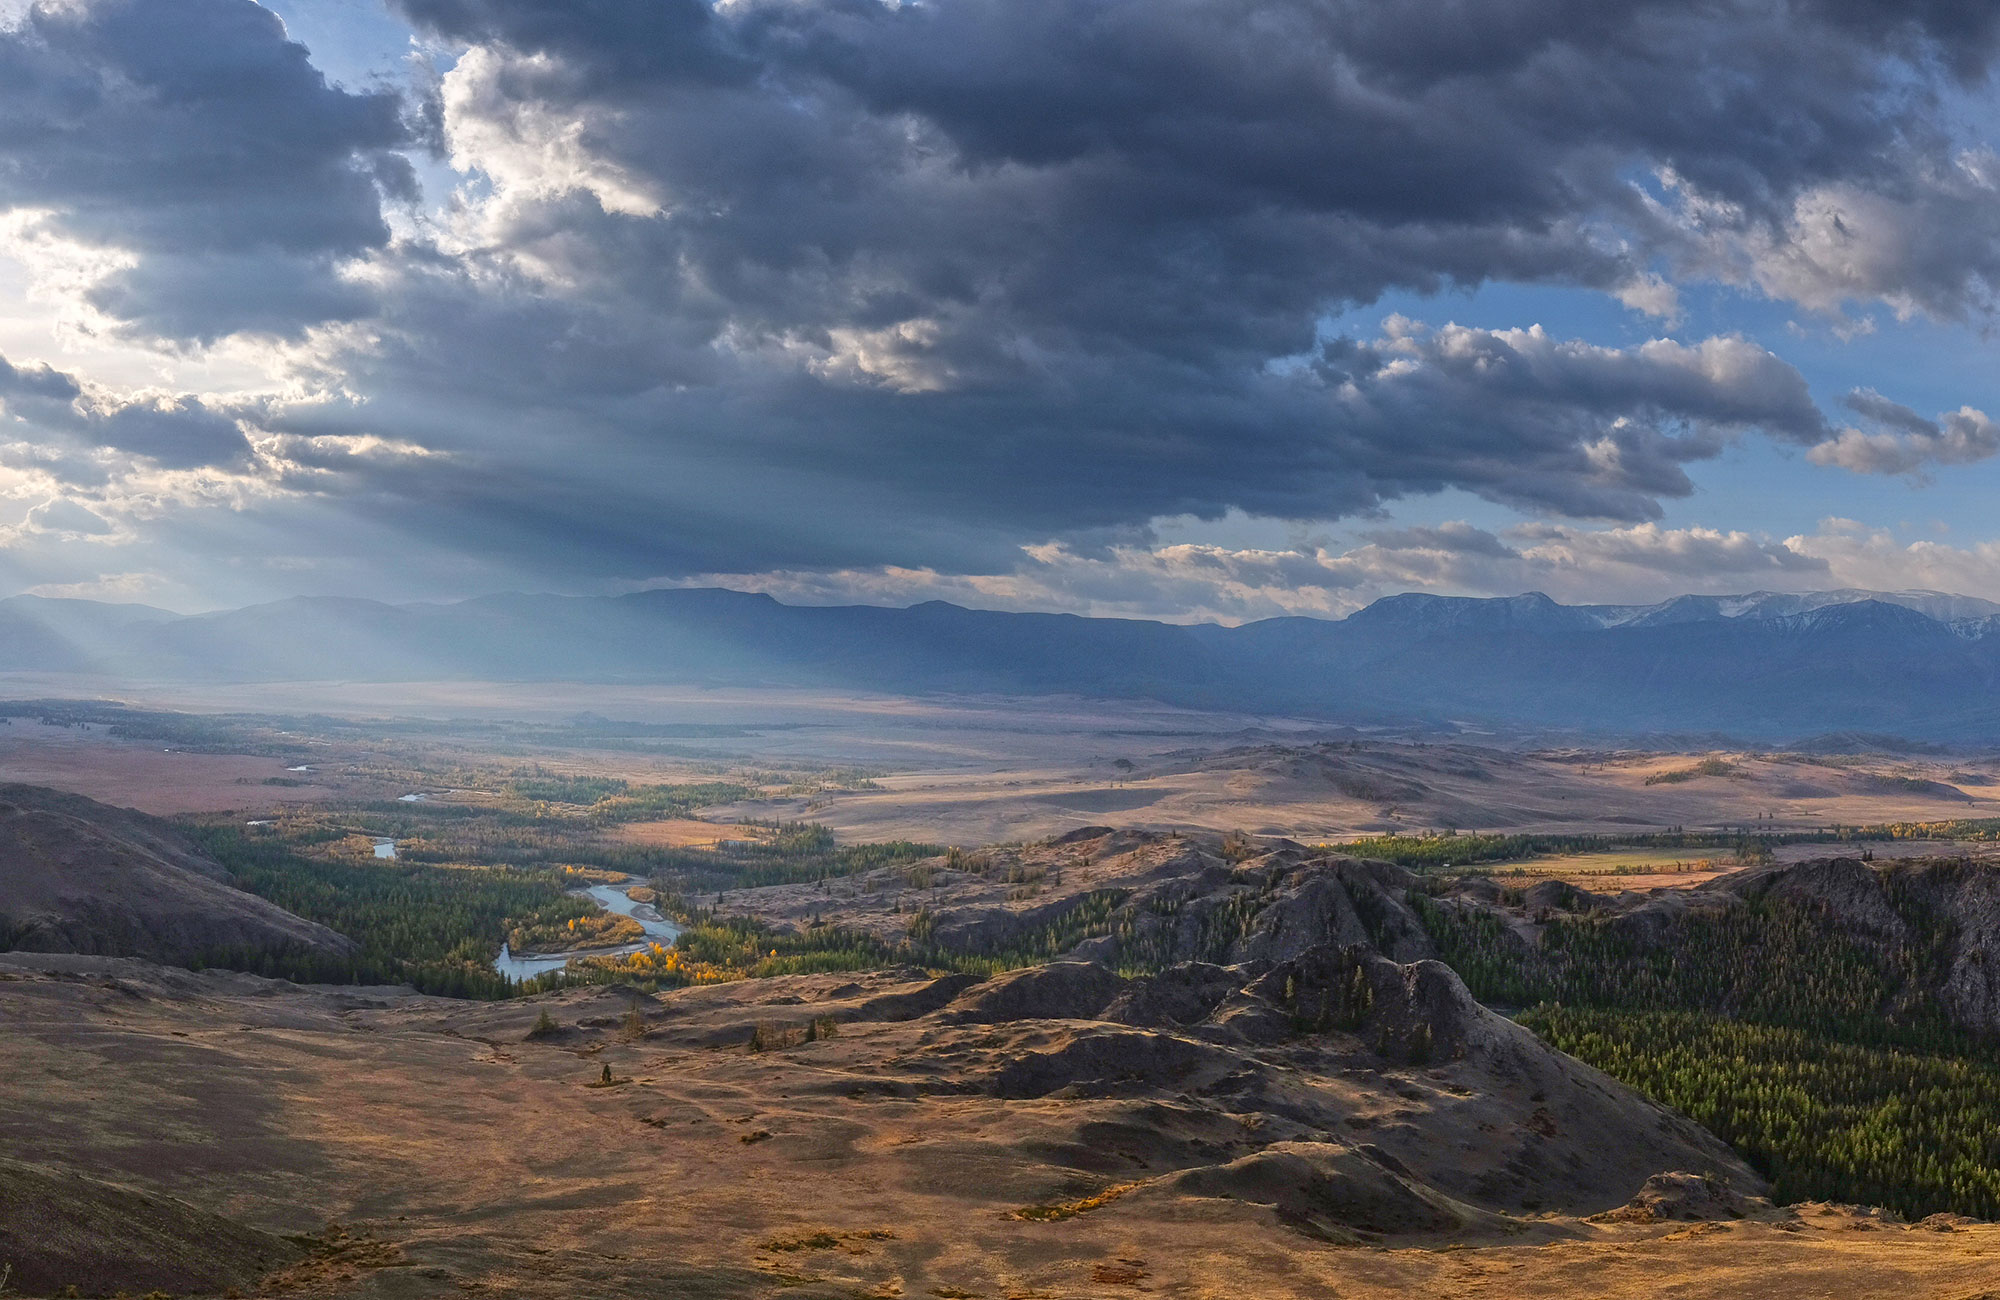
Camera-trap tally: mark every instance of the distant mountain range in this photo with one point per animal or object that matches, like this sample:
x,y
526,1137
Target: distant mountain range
x,y
1923,665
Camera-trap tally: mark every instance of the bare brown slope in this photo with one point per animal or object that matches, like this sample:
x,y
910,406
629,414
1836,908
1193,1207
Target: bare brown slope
x,y
80,876
896,1155
60,1229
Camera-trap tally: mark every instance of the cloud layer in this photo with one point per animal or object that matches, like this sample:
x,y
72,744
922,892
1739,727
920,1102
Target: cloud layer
x,y
1639,564
843,287
195,140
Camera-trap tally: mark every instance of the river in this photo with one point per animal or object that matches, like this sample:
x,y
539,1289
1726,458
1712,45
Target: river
x,y
612,899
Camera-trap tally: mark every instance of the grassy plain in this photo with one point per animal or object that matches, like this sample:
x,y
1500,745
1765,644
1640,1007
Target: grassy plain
x,y
964,770
682,833
1615,869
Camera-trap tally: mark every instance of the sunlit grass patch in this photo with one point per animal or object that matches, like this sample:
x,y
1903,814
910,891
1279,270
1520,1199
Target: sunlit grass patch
x,y
1055,1211
1706,767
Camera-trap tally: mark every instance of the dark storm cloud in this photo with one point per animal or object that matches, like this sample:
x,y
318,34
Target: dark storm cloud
x,y
194,135
856,476
37,382
782,284
1433,113
797,283
607,41
45,406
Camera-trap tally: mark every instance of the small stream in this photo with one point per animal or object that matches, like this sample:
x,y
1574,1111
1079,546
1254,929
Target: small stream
x,y
612,899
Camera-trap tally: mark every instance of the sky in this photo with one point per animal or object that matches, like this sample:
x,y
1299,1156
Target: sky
x,y
1183,309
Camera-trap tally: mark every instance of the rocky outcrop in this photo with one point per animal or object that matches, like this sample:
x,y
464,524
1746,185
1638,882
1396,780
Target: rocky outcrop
x,y
1122,898
1561,896
1311,900
1178,997
1958,906
1482,1115
1270,908
1063,990
1847,891
1312,909
1685,1197
1350,1096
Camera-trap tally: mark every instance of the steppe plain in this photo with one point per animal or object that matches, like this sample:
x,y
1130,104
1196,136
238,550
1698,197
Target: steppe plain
x,y
977,770
376,1142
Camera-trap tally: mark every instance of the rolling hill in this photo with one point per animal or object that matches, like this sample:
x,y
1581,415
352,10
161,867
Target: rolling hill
x,y
78,876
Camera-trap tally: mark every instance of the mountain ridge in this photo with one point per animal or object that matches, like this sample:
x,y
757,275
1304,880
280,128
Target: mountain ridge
x,y
1919,664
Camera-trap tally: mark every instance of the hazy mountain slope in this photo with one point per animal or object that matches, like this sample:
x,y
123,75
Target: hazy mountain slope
x,y
1920,664
80,876
1867,665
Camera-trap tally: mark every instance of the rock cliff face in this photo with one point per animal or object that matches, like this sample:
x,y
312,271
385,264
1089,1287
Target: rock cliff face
x,y
1961,903
1846,889
80,876
1314,899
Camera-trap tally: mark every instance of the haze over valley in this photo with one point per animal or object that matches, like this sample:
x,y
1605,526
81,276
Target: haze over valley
x,y
1762,667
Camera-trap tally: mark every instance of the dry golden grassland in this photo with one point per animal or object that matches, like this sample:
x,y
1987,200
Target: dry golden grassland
x,y
413,1146
681,833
